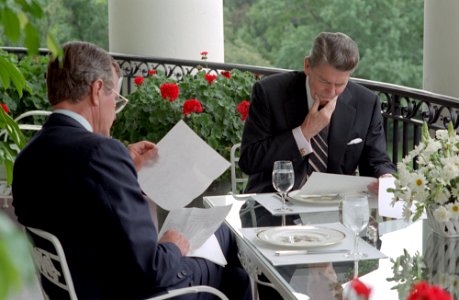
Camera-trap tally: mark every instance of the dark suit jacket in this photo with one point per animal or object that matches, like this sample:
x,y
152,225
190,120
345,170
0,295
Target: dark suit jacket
x,y
83,188
279,104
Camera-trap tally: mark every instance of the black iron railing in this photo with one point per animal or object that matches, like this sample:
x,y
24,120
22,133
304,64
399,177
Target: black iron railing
x,y
404,109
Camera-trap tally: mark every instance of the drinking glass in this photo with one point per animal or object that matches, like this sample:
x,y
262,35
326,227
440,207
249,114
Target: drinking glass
x,y
283,179
355,215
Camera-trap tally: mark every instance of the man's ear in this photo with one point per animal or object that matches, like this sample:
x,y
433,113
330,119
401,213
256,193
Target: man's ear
x,y
97,87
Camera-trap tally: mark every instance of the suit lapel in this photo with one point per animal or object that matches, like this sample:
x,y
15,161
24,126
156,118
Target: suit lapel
x,y
340,130
296,104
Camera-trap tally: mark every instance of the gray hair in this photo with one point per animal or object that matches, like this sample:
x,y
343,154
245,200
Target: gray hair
x,y
82,64
335,49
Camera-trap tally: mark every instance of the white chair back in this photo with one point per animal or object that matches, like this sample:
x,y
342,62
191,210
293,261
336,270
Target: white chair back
x,y
238,178
50,260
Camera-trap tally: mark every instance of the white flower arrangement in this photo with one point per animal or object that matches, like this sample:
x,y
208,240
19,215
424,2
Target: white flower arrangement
x,y
435,183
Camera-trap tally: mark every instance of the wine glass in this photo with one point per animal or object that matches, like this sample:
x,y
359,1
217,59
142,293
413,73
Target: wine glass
x,y
283,179
355,215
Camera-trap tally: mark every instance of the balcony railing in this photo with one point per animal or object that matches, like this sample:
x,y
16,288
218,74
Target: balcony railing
x,y
404,109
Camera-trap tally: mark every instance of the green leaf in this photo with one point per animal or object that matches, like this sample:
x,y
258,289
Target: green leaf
x,y
11,24
32,39
425,132
53,46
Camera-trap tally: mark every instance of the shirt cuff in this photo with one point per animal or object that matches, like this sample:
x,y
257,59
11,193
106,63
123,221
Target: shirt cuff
x,y
303,144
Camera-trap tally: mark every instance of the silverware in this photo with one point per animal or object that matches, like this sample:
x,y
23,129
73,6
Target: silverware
x,y
318,251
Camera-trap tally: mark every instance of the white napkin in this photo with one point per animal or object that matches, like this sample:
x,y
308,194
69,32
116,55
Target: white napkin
x,y
272,202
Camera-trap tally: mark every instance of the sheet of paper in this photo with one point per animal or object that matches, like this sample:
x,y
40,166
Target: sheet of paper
x,y
211,251
325,183
196,224
385,207
183,169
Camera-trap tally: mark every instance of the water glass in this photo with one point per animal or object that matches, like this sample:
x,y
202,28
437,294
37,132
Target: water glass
x,y
283,179
355,215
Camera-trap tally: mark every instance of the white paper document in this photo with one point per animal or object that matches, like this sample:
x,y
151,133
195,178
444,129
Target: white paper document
x,y
198,225
325,183
183,169
385,207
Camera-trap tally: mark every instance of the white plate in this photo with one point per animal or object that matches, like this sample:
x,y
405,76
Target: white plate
x,y
315,199
301,236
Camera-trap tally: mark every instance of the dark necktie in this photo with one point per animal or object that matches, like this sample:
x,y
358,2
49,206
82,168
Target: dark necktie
x,y
319,157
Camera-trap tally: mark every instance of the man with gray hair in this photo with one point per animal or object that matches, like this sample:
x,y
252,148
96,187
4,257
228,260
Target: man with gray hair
x,y
289,111
76,182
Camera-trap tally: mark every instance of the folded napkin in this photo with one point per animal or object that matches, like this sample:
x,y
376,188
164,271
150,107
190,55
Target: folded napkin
x,y
272,202
347,243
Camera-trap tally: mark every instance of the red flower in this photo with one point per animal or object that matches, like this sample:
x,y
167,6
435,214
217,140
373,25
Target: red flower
x,y
204,55
226,74
210,78
360,288
138,80
243,109
151,72
169,91
190,106
425,291
5,108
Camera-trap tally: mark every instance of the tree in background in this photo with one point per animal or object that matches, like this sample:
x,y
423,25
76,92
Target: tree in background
x,y
389,33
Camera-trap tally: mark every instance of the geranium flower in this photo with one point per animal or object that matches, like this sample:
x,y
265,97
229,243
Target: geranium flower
x,y
210,78
204,55
243,109
191,106
152,72
138,80
226,74
425,291
5,107
169,91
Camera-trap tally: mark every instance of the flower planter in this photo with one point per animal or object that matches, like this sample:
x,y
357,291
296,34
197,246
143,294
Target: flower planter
x,y
449,229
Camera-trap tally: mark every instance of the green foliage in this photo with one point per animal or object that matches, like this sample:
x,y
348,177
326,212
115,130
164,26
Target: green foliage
x,y
407,271
33,70
149,116
16,262
389,33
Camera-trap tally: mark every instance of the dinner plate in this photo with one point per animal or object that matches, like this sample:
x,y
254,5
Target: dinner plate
x,y
315,199
301,236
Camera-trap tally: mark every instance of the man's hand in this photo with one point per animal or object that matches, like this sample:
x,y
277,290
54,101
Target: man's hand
x,y
141,152
173,236
374,187
316,120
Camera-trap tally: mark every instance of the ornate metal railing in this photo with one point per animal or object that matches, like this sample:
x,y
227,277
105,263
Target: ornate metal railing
x,y
404,109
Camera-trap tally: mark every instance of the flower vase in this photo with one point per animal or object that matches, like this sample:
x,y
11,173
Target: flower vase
x,y
448,229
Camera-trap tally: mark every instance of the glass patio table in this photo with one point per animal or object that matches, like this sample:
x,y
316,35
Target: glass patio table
x,y
328,279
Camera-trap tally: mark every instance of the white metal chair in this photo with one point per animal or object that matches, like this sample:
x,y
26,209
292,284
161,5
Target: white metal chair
x,y
5,191
31,113
238,182
238,179
49,258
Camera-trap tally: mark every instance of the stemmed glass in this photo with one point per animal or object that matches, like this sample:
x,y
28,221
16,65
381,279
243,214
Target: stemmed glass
x,y
283,179
355,215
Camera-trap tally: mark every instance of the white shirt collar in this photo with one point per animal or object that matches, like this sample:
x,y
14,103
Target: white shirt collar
x,y
79,118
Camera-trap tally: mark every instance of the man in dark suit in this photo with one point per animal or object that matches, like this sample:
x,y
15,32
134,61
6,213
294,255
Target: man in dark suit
x,y
289,109
76,182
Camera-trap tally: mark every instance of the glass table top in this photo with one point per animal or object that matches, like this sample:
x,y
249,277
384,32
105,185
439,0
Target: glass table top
x,y
413,249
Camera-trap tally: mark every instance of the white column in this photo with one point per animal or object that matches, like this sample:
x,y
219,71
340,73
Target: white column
x,y
441,47
167,28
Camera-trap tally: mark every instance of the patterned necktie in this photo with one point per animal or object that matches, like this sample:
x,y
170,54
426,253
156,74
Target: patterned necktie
x,y
319,158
